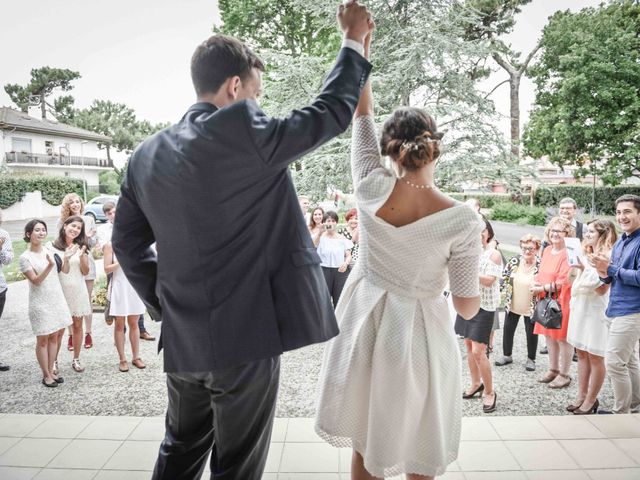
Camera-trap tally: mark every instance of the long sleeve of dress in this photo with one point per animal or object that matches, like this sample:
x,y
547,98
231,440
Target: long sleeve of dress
x,y
365,155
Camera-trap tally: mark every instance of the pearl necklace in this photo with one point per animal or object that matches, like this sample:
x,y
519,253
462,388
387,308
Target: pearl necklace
x,y
418,186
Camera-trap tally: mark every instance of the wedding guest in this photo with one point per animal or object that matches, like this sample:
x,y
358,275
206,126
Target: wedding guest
x,y
553,277
477,331
517,279
126,307
104,236
622,272
6,256
71,245
72,204
335,255
315,221
588,326
48,310
389,385
303,200
350,232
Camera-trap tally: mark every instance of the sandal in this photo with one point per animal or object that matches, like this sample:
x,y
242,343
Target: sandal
x,y
138,363
124,366
549,376
559,383
76,365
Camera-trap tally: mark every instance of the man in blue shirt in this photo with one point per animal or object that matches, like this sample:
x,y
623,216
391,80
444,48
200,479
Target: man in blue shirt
x,y
622,271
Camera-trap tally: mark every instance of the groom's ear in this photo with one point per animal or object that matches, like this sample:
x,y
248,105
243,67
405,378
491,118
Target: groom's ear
x,y
233,85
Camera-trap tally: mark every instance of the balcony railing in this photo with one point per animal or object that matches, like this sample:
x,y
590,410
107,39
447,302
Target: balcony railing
x,y
62,160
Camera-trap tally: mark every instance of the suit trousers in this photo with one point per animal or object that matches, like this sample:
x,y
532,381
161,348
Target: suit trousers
x,y
510,325
228,412
621,361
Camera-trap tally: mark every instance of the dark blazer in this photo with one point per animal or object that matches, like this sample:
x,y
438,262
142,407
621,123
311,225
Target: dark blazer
x,y
236,277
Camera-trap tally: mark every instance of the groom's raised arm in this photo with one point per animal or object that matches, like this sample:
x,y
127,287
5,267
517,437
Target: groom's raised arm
x,y
281,141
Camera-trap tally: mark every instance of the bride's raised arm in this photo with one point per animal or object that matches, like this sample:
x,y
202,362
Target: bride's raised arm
x,y
365,153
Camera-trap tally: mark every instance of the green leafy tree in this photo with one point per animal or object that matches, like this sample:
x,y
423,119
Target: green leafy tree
x,y
497,17
421,57
43,82
115,120
587,109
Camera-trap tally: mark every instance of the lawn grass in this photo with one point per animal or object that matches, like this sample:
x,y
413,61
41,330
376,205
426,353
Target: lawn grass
x,y
12,271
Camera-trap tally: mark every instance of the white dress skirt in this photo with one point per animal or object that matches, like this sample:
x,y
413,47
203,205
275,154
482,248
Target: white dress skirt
x,y
588,325
48,310
390,385
124,299
73,285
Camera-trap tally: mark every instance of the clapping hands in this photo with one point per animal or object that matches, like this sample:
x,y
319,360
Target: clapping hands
x,y
71,251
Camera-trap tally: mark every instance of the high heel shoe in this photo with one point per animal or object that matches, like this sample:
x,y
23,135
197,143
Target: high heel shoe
x,y
572,408
490,408
466,395
593,410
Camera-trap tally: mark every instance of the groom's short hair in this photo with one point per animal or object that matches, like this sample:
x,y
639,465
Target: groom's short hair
x,y
218,58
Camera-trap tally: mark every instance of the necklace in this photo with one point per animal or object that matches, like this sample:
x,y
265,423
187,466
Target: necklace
x,y
416,185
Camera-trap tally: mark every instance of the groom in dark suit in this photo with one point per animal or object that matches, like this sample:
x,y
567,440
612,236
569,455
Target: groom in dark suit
x,y
236,279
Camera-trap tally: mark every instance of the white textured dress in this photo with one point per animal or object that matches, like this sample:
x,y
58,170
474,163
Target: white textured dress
x,y
588,325
124,300
390,385
73,285
48,310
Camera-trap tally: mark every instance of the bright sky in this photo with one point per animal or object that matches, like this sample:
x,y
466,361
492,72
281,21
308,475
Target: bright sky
x,y
137,51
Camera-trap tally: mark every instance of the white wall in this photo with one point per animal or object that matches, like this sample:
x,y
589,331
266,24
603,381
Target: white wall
x,y
31,206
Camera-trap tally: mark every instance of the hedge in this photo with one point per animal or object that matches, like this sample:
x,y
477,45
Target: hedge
x,y
53,189
605,196
522,214
488,200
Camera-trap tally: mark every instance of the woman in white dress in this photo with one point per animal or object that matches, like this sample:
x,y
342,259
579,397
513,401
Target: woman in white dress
x,y
72,204
390,382
126,306
71,245
48,310
588,325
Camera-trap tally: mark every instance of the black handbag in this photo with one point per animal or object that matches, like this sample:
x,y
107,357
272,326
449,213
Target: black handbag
x,y
548,313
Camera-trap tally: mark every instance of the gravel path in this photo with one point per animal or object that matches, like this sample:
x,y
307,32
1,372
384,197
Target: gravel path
x,y
103,390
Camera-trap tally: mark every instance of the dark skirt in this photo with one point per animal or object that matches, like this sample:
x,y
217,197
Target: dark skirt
x,y
478,328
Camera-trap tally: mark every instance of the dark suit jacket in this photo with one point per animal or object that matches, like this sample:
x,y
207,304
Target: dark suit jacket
x,y
236,277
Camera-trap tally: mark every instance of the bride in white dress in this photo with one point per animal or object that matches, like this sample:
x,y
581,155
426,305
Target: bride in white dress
x,y
390,385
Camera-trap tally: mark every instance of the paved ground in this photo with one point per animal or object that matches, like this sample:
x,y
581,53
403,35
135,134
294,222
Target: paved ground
x,y
599,447
510,233
103,390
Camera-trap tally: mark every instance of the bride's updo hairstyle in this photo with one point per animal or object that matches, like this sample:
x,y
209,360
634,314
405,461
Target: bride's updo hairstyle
x,y
410,137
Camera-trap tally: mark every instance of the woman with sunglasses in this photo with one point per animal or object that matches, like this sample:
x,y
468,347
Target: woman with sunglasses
x,y
517,279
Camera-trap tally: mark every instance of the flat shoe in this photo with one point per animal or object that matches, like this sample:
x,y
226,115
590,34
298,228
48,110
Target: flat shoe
x,y
124,366
50,385
549,376
501,362
138,363
560,381
466,395
59,380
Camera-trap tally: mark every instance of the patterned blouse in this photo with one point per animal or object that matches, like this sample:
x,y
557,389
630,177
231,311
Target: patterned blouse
x,y
490,296
506,284
344,231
